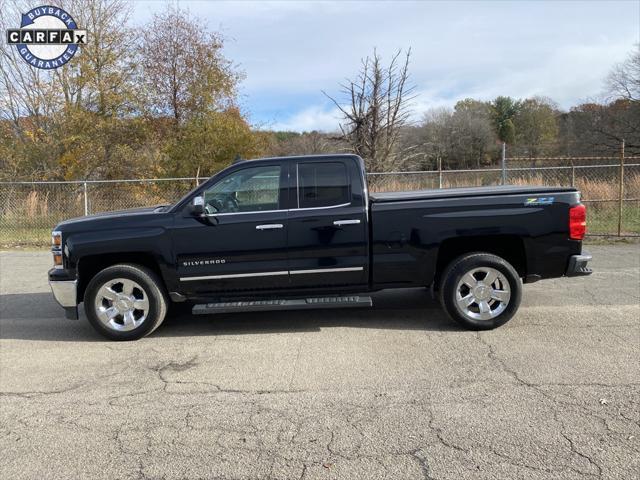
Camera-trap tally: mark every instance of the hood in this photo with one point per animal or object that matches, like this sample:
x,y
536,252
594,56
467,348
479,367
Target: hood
x,y
109,219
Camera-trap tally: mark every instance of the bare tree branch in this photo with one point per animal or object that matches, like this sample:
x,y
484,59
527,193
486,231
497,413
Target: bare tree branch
x,y
376,109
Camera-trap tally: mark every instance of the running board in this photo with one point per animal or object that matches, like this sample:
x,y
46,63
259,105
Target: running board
x,y
282,304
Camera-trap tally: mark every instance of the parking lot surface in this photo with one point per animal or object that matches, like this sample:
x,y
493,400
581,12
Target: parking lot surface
x,y
394,392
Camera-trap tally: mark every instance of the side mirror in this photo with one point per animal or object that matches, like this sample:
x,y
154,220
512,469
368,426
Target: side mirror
x,y
197,206
196,209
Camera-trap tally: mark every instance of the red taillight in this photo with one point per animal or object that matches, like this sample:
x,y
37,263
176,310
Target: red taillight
x,y
577,222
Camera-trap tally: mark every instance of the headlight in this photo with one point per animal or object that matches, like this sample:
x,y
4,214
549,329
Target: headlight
x,y
56,248
56,239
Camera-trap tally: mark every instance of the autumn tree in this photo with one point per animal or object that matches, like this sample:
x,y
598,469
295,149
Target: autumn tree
x,y
621,120
536,126
599,128
458,138
28,102
52,110
184,69
472,132
375,108
210,142
305,143
102,76
434,140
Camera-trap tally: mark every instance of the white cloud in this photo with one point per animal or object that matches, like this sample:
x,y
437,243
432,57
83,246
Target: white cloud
x,y
291,51
315,117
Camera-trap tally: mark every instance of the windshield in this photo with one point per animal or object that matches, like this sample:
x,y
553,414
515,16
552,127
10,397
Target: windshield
x,y
188,194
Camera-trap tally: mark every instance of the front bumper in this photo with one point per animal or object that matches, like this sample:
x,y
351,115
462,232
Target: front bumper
x,y
66,294
578,265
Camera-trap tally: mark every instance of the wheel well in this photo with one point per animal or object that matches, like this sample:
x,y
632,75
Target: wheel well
x,y
90,265
509,247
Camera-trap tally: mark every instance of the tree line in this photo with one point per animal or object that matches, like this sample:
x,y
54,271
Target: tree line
x,y
129,105
376,124
164,103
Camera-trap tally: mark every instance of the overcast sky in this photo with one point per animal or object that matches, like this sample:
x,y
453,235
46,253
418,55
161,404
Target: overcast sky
x,y
290,51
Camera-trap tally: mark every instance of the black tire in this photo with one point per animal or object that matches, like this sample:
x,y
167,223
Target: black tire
x,y
452,277
147,280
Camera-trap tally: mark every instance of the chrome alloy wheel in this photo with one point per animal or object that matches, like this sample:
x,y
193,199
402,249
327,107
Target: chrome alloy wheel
x,y
121,304
483,293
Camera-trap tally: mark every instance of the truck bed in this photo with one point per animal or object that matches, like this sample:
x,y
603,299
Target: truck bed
x,y
386,197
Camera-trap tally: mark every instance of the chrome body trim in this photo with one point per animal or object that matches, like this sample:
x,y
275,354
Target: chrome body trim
x,y
277,211
269,274
320,208
327,270
65,292
233,275
245,213
365,187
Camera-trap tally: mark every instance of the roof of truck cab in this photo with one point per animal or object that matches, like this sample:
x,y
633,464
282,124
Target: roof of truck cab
x,y
466,192
324,156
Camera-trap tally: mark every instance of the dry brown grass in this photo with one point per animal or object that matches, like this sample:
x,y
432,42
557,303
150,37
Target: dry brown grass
x,y
590,189
36,205
632,186
30,212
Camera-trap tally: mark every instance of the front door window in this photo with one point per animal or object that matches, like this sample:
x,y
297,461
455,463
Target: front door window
x,y
252,189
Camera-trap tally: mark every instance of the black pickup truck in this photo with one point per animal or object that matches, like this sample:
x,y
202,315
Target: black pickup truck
x,y
304,233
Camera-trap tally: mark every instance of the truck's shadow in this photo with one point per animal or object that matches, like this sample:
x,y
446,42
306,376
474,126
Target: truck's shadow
x,y
36,316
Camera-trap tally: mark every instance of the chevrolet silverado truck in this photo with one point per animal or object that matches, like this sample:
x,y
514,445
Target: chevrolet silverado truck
x,y
305,233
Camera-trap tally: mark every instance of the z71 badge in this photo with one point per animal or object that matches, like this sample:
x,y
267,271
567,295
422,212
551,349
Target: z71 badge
x,y
538,201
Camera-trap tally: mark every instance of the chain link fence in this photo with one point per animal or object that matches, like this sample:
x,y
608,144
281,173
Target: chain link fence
x,y
611,192
29,210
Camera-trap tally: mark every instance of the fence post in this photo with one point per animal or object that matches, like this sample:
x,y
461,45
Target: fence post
x,y
439,172
573,174
86,200
621,190
504,163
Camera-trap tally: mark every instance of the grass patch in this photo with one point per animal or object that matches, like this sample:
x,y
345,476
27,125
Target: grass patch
x,y
33,237
602,218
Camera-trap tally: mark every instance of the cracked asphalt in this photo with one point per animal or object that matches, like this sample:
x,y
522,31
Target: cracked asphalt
x,y
394,392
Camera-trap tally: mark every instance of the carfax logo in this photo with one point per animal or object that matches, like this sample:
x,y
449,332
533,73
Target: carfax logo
x,y
48,37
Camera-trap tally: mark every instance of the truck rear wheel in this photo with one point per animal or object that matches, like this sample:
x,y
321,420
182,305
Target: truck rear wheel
x,y
125,302
480,291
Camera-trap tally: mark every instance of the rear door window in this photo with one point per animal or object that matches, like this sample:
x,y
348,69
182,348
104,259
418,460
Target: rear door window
x,y
323,184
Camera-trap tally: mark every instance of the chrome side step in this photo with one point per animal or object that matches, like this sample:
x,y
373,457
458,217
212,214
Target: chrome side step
x,y
282,304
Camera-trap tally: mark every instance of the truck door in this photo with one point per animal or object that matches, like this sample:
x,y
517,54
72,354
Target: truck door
x,y
242,246
327,239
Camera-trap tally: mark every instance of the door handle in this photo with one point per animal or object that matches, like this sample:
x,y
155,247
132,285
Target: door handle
x,y
269,226
346,222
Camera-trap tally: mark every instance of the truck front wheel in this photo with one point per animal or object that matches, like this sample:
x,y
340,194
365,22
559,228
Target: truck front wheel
x,y
480,291
125,302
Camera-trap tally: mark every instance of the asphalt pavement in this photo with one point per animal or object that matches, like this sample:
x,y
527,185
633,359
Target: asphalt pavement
x,y
396,391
